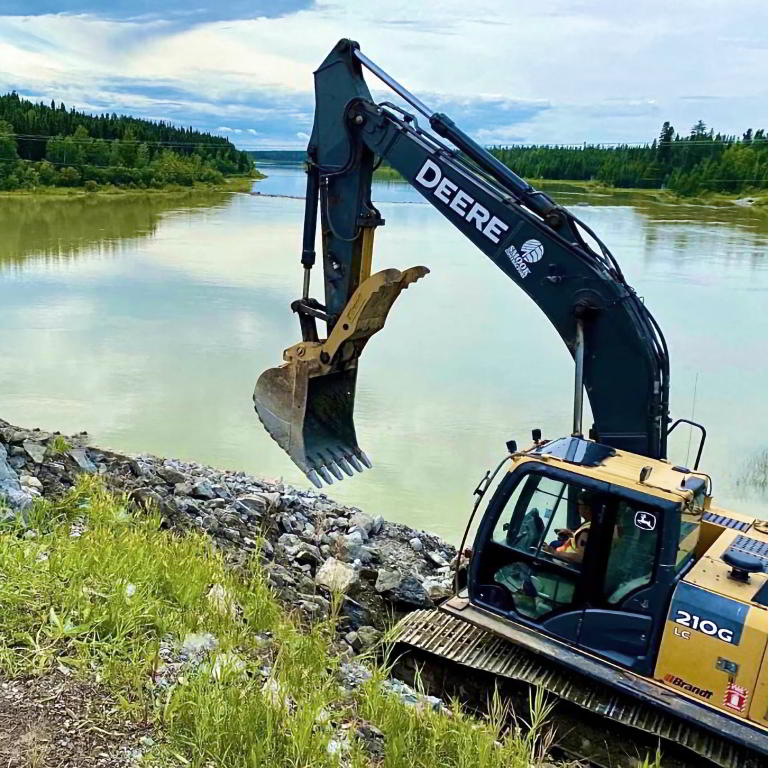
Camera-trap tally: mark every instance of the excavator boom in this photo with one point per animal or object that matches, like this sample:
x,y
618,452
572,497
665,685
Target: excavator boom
x,y
307,404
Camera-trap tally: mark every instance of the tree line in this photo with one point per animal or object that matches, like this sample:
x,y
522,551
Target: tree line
x,y
50,145
702,161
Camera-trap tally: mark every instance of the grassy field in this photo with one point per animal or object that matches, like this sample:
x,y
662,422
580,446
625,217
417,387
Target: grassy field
x,y
95,593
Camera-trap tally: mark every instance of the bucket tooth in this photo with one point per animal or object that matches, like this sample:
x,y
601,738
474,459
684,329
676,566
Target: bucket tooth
x,y
342,462
335,471
314,478
325,474
307,403
355,463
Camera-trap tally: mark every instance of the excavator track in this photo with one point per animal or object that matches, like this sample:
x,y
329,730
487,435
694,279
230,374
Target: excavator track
x,y
433,641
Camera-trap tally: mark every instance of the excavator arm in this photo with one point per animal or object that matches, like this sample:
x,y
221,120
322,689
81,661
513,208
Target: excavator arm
x,y
307,403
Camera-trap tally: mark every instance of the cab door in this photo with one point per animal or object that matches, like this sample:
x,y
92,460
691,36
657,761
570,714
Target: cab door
x,y
515,571
644,549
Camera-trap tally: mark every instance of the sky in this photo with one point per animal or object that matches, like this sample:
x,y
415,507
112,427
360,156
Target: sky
x,y
507,71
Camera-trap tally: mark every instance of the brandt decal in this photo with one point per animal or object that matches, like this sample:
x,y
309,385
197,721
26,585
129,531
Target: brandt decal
x,y
680,683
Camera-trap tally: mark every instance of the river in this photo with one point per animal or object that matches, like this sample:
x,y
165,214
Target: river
x,y
146,320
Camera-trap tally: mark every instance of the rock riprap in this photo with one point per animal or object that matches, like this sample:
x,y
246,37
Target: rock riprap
x,y
311,546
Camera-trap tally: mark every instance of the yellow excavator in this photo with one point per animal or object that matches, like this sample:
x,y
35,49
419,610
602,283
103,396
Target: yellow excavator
x,y
600,571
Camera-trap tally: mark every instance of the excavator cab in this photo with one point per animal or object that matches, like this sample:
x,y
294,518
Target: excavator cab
x,y
575,544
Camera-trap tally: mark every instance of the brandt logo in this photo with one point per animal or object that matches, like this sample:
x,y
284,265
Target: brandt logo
x,y
680,683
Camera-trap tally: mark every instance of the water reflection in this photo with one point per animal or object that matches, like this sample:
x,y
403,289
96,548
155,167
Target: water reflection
x,y
58,229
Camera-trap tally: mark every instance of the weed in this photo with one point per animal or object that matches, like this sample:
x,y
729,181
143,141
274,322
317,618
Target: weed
x,y
59,445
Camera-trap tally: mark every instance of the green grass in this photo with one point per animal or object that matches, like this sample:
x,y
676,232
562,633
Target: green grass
x,y
230,184
100,604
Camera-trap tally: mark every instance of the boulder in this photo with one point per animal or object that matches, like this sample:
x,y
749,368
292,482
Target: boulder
x,y
202,489
438,590
80,457
350,546
337,576
35,451
368,636
411,591
171,475
356,615
362,522
387,580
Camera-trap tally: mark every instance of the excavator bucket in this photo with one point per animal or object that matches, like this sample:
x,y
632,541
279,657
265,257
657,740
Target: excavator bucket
x,y
307,403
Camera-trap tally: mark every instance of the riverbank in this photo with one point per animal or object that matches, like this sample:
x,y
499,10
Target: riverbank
x,y
165,613
230,184
758,200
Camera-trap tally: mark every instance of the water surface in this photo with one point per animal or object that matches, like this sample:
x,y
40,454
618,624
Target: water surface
x,y
146,321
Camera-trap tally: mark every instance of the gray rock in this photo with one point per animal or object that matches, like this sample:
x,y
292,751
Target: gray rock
x,y
202,489
337,576
378,524
80,457
253,504
30,481
183,489
171,475
362,521
436,559
353,674
17,462
368,636
416,544
411,592
351,546
438,590
35,450
356,614
387,580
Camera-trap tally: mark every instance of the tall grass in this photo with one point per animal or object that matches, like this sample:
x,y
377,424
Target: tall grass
x,y
100,588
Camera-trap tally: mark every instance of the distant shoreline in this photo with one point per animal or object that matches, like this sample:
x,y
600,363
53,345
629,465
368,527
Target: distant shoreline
x,y
230,184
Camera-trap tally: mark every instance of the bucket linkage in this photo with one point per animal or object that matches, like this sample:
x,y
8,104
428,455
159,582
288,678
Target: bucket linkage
x,y
307,403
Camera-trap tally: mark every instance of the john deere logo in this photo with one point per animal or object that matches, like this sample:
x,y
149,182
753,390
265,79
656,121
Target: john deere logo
x,y
532,250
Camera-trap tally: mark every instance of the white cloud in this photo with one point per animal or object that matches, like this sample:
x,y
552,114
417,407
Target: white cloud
x,y
303,136
605,70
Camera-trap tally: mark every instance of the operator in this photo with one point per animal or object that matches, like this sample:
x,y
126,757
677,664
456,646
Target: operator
x,y
572,544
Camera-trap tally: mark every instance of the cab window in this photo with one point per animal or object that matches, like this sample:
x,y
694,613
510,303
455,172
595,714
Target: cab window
x,y
541,520
633,549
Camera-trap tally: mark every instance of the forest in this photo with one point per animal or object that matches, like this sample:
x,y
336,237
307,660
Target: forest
x,y
700,162
49,145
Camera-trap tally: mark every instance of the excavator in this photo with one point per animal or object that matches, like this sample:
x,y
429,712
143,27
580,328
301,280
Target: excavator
x,y
600,571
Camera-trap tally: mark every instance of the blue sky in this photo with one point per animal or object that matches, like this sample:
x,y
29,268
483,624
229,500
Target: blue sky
x,y
507,71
